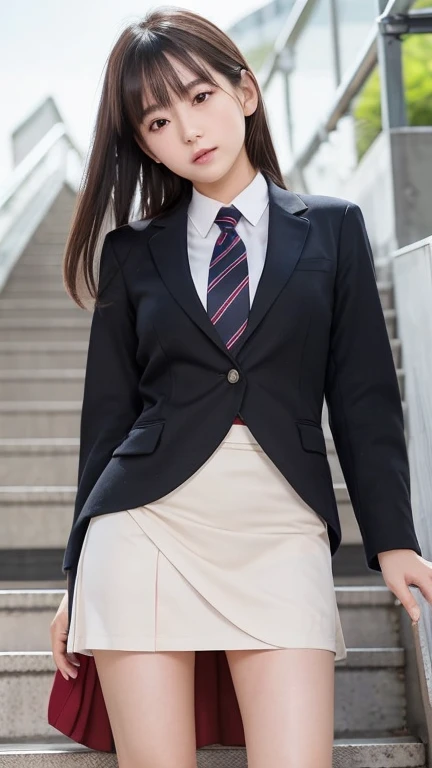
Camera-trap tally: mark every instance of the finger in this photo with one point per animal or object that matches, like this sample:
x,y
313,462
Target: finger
x,y
67,671
66,667
408,601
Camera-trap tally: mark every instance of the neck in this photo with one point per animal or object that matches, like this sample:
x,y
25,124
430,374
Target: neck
x,y
235,181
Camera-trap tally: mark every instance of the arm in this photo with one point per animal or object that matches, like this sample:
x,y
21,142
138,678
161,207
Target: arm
x,y
364,404
111,401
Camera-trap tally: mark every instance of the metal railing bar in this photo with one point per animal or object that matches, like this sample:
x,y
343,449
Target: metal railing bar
x,y
289,33
31,161
349,87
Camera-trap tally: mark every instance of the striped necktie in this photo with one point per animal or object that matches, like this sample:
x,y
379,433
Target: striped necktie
x,y
228,281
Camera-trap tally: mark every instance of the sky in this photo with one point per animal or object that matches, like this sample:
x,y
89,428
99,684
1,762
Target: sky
x,y
51,47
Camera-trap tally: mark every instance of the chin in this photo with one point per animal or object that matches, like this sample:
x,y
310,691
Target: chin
x,y
212,175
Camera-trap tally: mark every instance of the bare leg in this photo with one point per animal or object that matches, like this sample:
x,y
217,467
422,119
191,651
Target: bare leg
x,y
286,699
149,698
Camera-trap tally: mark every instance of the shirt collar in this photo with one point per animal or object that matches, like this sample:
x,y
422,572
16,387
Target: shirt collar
x,y
251,202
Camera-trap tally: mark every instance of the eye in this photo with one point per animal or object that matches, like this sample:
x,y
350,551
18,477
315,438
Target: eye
x,y
155,122
163,120
203,93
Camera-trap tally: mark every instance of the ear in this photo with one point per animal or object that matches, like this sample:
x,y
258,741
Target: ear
x,y
249,92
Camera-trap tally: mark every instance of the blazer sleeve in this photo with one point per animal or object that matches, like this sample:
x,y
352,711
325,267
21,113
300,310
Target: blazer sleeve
x,y
364,403
111,399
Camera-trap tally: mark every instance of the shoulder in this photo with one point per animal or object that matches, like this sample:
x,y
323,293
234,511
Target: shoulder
x,y
328,204
129,232
333,214
123,239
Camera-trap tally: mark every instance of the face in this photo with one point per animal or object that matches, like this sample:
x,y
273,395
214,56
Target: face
x,y
211,118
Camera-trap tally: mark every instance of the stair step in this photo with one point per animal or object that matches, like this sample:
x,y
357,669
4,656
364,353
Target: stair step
x,y
385,288
44,236
40,308
397,352
402,752
45,255
16,355
384,270
390,318
41,329
37,270
28,291
40,418
43,384
40,460
369,617
369,693
35,285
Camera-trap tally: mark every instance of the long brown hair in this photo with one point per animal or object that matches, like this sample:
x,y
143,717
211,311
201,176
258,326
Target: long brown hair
x,y
117,168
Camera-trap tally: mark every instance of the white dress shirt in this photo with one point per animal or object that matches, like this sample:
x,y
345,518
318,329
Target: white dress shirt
x,y
202,232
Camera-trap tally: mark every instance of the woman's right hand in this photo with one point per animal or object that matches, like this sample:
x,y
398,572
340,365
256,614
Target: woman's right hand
x,y
67,663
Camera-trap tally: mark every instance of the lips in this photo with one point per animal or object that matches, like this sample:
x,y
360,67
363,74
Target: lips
x,y
201,153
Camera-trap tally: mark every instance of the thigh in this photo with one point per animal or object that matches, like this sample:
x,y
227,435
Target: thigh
x,y
285,696
149,698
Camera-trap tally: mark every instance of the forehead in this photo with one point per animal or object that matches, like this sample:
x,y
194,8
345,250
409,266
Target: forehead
x,y
185,72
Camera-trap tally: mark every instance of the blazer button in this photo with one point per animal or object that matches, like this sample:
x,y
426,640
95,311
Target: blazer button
x,y
233,376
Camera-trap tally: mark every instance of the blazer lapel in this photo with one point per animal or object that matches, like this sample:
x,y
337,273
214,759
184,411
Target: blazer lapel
x,y
286,239
169,252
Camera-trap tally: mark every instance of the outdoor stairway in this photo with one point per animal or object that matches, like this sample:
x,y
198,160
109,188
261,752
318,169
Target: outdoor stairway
x,y
43,346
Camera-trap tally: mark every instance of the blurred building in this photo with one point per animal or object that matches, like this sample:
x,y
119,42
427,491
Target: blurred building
x,y
329,75
256,33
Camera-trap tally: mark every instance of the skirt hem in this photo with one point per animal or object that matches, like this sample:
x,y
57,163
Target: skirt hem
x,y
186,644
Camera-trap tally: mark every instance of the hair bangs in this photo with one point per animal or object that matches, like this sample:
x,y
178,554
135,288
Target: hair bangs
x,y
152,79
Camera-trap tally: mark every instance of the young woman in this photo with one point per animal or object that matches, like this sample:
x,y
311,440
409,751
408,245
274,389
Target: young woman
x,y
225,314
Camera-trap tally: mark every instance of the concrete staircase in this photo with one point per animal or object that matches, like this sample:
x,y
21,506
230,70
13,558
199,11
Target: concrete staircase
x,y
43,344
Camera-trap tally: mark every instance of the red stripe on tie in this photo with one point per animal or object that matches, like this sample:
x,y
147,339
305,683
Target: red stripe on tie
x,y
227,220
217,315
225,252
226,271
236,335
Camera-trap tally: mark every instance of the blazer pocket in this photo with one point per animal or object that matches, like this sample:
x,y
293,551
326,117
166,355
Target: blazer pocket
x,y
320,265
312,437
142,439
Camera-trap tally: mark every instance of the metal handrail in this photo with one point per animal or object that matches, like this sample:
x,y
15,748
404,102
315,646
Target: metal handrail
x,y
288,35
352,82
31,189
26,167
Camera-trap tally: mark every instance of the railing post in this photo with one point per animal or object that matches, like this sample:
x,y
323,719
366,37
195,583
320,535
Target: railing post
x,y
334,33
393,115
393,106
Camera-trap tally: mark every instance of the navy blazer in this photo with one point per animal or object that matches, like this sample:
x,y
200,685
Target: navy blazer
x,y
160,393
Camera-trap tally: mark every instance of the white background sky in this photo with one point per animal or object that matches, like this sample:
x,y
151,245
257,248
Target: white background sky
x,y
50,47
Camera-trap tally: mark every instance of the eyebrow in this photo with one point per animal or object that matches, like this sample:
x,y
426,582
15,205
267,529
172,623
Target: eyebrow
x,y
155,107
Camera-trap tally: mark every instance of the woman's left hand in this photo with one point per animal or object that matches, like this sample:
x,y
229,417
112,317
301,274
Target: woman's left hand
x,y
403,567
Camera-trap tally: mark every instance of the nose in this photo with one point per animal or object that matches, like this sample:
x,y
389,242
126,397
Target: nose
x,y
191,133
188,127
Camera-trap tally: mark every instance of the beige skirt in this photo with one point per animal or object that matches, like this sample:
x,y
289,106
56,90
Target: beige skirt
x,y
233,558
